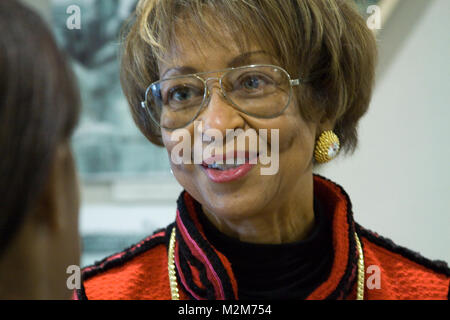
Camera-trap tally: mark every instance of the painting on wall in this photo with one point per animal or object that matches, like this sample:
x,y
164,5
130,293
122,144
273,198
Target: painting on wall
x,y
107,143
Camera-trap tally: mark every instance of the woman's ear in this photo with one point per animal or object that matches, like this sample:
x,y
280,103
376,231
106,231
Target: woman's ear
x,y
325,124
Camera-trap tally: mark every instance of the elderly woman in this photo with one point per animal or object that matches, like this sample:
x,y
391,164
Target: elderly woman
x,y
302,71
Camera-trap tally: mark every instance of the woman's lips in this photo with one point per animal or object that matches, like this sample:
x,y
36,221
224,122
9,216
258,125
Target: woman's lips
x,y
220,176
232,174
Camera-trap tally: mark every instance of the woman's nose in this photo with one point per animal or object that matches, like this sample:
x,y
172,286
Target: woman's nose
x,y
218,113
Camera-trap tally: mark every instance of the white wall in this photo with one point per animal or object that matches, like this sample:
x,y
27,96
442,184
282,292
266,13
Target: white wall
x,y
399,178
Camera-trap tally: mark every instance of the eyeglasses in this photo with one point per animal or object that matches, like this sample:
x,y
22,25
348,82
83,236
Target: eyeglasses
x,y
262,91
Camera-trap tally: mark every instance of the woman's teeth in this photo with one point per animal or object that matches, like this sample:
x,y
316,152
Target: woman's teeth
x,y
224,167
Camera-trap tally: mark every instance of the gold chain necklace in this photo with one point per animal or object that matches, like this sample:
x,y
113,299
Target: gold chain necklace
x,y
173,275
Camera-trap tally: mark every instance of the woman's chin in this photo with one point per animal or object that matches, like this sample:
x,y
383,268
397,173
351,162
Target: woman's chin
x,y
234,206
244,197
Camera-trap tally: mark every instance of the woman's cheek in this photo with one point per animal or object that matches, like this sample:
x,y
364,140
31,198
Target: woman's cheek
x,y
179,145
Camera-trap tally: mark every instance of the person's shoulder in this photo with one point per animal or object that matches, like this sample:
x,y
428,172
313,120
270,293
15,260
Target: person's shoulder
x,y
402,274
138,272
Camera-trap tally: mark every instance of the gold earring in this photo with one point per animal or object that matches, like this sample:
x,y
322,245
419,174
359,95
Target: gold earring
x,y
327,147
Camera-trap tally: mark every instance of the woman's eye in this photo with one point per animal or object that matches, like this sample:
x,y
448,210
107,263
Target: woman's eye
x,y
182,94
254,82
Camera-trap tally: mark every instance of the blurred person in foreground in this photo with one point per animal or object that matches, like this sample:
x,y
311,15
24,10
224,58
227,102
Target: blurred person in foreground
x,y
39,109
205,68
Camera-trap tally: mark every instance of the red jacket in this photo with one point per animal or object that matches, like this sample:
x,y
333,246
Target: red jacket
x,y
141,271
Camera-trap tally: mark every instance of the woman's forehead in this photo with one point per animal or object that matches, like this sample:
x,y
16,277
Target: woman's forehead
x,y
210,40
202,54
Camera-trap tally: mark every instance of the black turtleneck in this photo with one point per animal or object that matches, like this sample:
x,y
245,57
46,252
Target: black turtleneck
x,y
277,271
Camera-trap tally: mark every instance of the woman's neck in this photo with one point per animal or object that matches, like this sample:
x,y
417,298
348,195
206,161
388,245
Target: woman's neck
x,y
290,271
22,276
282,221
26,268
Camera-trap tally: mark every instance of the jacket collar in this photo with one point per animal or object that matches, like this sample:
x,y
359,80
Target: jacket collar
x,y
205,273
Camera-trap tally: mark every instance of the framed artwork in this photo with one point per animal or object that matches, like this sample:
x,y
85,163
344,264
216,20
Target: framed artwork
x,y
107,144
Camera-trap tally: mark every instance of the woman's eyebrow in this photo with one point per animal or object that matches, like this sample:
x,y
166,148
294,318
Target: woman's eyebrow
x,y
244,58
180,70
238,61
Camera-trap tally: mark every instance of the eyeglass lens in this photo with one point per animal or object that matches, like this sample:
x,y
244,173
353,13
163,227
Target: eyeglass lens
x,y
262,91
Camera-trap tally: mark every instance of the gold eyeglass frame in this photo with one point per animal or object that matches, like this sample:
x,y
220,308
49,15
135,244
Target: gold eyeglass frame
x,y
207,94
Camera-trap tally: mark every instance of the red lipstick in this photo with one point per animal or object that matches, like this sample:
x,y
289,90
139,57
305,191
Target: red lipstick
x,y
229,174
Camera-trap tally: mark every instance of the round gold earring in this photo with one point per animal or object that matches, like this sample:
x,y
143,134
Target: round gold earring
x,y
327,147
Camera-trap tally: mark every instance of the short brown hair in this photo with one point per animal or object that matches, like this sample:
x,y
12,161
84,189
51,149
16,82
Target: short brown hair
x,y
39,109
326,41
